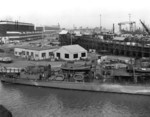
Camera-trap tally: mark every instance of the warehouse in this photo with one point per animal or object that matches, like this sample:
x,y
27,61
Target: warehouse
x,y
71,52
14,30
12,26
35,53
49,31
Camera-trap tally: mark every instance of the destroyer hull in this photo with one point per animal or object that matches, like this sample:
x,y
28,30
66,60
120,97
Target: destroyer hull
x,y
96,87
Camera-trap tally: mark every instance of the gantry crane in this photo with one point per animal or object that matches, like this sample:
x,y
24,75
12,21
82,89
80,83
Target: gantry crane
x,y
128,22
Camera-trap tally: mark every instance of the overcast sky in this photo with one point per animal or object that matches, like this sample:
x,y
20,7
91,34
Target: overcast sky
x,y
85,13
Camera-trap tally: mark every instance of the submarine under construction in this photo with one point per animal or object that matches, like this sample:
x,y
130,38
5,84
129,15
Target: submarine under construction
x,y
131,45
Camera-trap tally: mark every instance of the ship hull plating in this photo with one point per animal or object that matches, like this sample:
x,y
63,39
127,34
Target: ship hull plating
x,y
96,87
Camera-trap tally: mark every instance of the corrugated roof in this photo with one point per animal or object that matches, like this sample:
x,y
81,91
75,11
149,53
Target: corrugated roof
x,y
74,48
63,32
38,48
16,22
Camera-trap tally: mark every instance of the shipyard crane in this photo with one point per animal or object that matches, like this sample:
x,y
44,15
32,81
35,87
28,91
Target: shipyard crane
x,y
128,22
145,27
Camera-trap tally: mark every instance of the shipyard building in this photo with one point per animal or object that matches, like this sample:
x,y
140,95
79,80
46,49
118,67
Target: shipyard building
x,y
14,30
35,53
49,31
70,52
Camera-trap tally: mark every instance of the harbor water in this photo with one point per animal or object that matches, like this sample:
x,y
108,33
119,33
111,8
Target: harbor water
x,y
29,101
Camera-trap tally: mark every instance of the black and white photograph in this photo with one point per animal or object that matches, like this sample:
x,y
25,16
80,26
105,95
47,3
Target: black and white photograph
x,y
74,58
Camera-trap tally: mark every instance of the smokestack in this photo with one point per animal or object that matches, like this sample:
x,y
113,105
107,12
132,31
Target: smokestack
x,y
113,28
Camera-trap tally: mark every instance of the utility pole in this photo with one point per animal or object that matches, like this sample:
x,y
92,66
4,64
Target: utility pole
x,y
43,32
100,24
71,37
129,17
131,24
134,76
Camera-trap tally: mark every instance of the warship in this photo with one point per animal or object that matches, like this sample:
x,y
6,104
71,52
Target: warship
x,y
108,76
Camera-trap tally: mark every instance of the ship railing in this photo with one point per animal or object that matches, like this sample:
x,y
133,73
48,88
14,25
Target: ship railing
x,y
10,70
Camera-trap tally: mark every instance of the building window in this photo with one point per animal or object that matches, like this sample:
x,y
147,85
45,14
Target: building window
x,y
51,54
43,55
83,54
66,55
75,55
58,55
31,53
36,55
27,53
23,52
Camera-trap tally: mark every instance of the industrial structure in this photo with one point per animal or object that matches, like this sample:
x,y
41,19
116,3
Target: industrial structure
x,y
49,31
71,52
48,28
145,27
35,53
68,53
132,45
131,24
14,30
130,49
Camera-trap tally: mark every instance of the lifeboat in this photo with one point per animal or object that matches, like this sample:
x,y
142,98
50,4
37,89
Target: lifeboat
x,y
6,60
60,77
79,77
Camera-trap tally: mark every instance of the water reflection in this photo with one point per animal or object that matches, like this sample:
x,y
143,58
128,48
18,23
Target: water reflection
x,y
27,101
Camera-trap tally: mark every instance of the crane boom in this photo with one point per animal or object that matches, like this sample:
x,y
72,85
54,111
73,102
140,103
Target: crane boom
x,y
145,27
